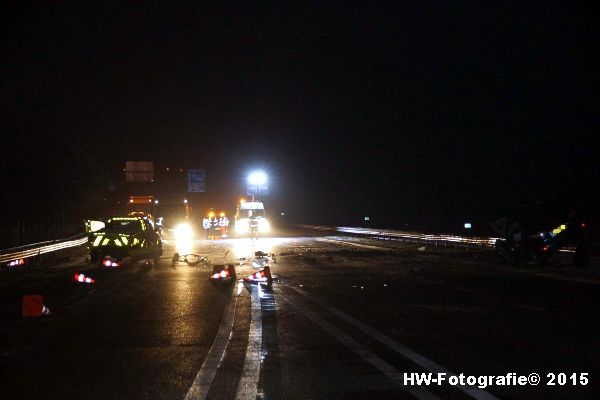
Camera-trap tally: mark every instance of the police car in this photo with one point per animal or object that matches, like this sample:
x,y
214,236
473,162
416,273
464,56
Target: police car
x,y
124,238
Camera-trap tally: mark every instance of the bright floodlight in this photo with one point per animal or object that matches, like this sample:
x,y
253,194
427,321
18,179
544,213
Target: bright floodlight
x,y
257,178
183,232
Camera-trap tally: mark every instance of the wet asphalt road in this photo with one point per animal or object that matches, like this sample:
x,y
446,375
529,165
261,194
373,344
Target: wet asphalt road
x,y
345,318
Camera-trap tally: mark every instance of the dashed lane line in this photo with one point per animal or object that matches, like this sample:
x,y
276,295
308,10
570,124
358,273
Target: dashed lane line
x,y
248,384
410,354
206,375
368,356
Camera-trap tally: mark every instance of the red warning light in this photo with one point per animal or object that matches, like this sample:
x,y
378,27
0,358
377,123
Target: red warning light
x,y
583,224
545,248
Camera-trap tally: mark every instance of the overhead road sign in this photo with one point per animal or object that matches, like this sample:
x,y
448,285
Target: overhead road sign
x,y
139,171
261,189
196,180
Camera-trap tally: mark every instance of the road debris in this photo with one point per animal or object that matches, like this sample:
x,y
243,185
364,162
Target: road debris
x,y
190,259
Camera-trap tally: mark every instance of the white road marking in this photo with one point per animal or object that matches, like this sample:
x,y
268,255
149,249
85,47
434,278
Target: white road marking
x,y
415,357
532,308
365,246
557,277
247,387
387,369
205,376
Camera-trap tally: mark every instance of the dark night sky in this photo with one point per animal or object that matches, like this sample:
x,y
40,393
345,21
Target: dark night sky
x,y
410,113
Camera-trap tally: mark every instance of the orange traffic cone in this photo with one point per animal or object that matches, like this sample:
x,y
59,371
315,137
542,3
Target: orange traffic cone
x,y
264,275
83,279
33,306
222,273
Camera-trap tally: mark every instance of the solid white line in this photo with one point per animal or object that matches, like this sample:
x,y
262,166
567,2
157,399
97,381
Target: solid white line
x,y
556,277
365,246
205,376
247,387
424,362
387,369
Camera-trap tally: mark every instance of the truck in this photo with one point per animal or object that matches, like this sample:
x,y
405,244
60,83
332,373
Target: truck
x,y
216,225
250,219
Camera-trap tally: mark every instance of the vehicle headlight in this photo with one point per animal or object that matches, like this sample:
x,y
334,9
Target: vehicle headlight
x,y
241,226
264,225
183,231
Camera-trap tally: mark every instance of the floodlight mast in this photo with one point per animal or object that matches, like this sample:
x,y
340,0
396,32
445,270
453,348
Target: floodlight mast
x,y
256,179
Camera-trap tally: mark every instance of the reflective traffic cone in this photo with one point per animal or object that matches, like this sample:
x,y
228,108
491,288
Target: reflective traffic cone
x,y
109,262
33,306
83,279
264,275
222,273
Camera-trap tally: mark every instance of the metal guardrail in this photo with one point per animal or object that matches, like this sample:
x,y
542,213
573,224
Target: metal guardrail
x,y
36,249
417,237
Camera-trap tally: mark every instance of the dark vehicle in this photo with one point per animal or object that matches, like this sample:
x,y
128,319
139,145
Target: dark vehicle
x,y
521,244
171,212
126,237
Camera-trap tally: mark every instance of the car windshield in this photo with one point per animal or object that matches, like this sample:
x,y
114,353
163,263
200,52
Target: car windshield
x,y
123,226
252,213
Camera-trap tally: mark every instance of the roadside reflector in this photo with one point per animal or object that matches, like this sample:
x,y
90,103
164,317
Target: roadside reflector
x,y
264,275
33,306
84,279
